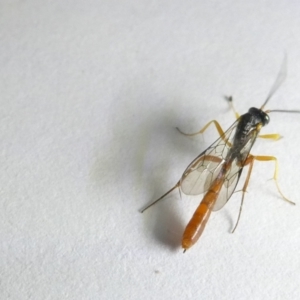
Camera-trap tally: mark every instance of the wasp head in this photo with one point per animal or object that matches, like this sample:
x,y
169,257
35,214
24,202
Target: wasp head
x,y
259,116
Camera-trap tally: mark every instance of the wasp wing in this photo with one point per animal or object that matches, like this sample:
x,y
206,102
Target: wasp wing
x,y
228,188
233,174
200,174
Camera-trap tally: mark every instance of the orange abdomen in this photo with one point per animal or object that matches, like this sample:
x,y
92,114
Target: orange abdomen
x,y
198,222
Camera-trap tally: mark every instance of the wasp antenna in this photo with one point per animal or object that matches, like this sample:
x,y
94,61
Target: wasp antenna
x,y
279,80
283,111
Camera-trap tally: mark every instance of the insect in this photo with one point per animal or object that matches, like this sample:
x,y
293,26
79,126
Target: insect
x,y
217,170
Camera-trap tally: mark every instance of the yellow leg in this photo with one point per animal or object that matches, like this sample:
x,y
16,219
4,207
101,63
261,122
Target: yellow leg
x,y
250,162
271,136
273,158
217,125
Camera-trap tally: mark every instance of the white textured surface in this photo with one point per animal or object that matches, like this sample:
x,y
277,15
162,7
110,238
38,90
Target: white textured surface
x,y
91,92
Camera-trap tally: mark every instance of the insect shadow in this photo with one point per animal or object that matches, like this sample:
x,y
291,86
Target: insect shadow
x,y
166,222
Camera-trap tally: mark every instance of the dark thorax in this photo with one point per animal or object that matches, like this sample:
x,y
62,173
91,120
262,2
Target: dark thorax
x,y
247,130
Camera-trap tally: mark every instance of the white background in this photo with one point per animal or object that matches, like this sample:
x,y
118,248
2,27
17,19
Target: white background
x,y
90,93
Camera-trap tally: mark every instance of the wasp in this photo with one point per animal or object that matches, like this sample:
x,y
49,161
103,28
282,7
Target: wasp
x,y
217,170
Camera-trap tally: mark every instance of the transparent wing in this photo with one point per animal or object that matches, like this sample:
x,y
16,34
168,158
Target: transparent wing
x,y
229,186
233,174
200,174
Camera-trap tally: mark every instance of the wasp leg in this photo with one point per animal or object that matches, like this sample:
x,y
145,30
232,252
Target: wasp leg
x,y
273,158
217,125
249,161
230,101
272,136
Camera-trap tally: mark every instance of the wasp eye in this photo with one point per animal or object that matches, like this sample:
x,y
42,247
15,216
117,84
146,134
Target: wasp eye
x,y
266,120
